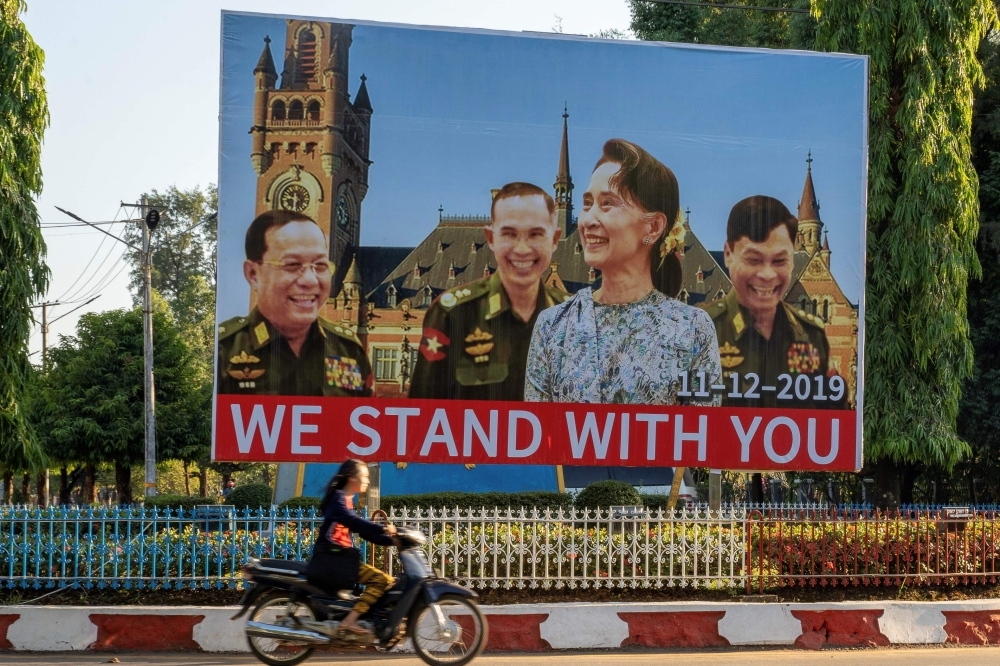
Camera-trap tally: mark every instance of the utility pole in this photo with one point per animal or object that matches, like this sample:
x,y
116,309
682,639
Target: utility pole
x,y
42,482
150,218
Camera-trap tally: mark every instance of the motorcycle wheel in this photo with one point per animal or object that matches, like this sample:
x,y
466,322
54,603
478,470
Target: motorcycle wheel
x,y
436,650
273,652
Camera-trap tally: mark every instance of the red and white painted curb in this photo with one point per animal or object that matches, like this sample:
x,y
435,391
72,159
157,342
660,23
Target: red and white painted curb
x,y
541,627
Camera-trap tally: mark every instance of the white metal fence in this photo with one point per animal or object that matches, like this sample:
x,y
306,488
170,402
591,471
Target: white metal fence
x,y
577,548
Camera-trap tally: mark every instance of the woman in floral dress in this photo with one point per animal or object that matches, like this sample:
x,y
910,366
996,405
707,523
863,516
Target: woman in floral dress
x,y
629,341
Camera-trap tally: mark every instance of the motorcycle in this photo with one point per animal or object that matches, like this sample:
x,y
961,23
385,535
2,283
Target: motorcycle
x,y
290,618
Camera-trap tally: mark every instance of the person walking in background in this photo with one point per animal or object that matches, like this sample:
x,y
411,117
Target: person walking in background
x,y
630,340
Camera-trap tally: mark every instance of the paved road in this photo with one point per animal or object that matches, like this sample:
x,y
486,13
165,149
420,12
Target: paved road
x,y
935,656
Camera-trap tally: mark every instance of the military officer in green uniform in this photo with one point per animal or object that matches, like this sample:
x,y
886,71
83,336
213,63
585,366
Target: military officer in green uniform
x,y
760,334
475,338
283,347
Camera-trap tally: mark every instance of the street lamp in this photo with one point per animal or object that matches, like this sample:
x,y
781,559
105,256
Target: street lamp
x,y
151,218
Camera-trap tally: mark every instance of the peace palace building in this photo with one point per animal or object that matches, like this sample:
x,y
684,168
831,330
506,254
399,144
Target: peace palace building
x,y
310,152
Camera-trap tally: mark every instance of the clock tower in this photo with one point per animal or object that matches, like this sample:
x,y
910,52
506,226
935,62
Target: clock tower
x,y
309,141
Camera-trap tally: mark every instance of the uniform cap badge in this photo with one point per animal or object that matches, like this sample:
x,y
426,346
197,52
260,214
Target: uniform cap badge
x,y
448,299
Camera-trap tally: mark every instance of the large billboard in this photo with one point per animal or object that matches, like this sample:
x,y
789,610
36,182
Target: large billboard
x,y
481,248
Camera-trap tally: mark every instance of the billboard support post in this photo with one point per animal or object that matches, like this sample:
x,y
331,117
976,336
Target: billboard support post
x,y
715,489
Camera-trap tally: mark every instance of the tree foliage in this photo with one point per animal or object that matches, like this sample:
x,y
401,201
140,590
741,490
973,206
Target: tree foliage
x,y
978,478
729,27
183,244
94,397
24,276
922,213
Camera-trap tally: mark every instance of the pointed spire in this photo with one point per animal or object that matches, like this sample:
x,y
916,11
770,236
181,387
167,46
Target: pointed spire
x,y
361,101
265,65
563,177
808,206
810,225
826,242
564,183
353,275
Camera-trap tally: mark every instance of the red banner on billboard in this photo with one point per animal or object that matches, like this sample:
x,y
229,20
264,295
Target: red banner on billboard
x,y
294,429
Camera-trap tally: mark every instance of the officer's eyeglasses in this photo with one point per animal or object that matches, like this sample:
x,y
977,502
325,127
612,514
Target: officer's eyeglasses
x,y
298,269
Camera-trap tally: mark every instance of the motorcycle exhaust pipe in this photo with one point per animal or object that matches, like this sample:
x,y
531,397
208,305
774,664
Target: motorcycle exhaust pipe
x,y
273,631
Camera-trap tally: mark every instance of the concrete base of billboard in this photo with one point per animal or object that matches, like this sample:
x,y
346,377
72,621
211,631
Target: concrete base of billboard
x,y
541,627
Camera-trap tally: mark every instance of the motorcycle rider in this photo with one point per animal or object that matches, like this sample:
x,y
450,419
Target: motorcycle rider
x,y
336,564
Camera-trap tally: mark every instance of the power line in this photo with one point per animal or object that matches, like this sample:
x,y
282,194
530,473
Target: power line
x,y
56,225
93,275
85,285
712,5
84,271
107,279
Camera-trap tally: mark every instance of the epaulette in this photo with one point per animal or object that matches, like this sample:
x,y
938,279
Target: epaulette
x,y
715,309
807,318
466,292
232,326
338,330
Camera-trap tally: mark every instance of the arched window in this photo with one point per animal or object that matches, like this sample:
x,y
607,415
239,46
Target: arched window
x,y
312,111
826,310
278,110
815,306
683,296
295,110
391,295
427,296
307,54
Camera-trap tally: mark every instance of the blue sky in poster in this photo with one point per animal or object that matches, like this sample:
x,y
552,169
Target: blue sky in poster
x,y
457,113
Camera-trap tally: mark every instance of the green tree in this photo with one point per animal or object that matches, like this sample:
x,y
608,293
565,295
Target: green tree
x,y
24,276
725,26
923,217
184,246
94,397
978,478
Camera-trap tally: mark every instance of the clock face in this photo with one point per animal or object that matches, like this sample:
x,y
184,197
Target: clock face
x,y
343,217
295,198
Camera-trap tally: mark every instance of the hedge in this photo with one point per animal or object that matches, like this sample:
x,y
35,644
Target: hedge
x,y
251,496
654,501
175,502
604,494
304,503
489,500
